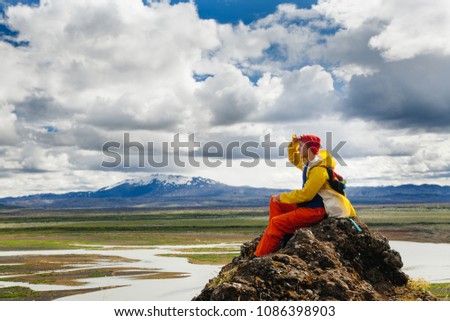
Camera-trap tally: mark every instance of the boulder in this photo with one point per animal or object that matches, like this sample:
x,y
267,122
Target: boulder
x,y
331,260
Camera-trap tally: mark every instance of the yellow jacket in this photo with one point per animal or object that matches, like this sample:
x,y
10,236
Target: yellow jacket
x,y
336,205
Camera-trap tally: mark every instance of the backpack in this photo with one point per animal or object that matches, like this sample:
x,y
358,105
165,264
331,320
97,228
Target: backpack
x,y
336,181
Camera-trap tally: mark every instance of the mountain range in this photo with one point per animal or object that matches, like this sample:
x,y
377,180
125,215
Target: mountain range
x,y
163,191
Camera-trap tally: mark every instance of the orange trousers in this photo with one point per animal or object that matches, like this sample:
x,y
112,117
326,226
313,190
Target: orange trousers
x,y
286,219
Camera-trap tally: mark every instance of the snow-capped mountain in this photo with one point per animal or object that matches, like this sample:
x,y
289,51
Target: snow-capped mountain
x,y
160,185
157,190
164,180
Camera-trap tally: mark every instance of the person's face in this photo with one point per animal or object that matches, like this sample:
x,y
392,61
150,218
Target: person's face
x,y
302,149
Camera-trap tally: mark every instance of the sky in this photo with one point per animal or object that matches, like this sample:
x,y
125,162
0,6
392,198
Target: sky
x,y
78,74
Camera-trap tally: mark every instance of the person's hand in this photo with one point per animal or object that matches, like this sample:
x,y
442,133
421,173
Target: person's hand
x,y
275,198
295,138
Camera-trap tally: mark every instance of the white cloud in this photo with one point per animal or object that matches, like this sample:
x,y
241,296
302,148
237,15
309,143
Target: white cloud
x,y
346,72
349,13
403,94
115,57
241,42
13,84
8,131
37,159
408,28
416,28
287,12
229,96
306,94
96,69
57,182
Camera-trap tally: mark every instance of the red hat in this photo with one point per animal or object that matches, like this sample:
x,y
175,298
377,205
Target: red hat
x,y
312,142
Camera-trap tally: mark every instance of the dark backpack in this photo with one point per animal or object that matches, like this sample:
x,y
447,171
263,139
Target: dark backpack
x,y
336,181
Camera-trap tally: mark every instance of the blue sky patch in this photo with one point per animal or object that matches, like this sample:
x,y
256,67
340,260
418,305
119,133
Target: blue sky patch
x,y
247,11
201,77
5,3
7,34
50,129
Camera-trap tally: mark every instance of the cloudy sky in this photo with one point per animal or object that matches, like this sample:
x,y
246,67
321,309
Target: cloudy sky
x,y
76,74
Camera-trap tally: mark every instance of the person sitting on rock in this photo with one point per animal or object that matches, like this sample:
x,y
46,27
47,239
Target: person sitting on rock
x,y
309,205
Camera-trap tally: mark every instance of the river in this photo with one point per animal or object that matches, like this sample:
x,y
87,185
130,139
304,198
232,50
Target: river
x,y
425,260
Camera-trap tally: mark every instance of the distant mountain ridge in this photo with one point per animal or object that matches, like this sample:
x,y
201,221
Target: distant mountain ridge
x,y
159,190
154,191
402,194
158,184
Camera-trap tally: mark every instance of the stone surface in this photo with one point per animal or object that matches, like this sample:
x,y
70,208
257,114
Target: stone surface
x,y
328,261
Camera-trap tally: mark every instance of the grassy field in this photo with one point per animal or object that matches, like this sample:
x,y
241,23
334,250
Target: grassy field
x,y
419,223
33,229
39,229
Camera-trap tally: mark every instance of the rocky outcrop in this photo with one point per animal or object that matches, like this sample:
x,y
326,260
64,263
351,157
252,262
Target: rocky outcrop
x,y
328,261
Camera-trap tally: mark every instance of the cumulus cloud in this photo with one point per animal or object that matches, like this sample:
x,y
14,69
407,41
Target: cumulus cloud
x,y
8,132
346,72
14,85
307,93
39,107
406,37
409,28
93,70
36,159
229,96
112,57
350,47
405,94
391,59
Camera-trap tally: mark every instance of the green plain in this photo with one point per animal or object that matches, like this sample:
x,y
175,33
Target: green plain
x,y
50,229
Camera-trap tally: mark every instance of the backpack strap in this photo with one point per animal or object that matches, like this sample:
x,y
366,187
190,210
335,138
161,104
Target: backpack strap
x,y
336,181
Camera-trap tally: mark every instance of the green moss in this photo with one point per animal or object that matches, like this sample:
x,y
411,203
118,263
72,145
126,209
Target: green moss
x,y
218,259
419,284
17,292
208,249
440,290
223,277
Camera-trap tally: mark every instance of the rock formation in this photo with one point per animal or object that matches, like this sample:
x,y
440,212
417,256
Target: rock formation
x,y
328,261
